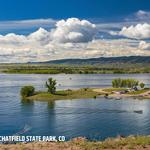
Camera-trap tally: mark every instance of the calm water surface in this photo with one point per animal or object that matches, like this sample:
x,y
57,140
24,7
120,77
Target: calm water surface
x,y
95,119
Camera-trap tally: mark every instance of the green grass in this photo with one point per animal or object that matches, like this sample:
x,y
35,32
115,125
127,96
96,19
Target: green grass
x,y
71,71
113,89
64,94
58,71
32,71
139,91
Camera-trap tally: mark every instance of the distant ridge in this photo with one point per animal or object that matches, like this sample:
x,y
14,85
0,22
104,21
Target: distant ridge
x,y
101,60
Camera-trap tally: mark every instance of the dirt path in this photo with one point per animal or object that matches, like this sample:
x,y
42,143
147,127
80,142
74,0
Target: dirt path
x,y
99,90
115,95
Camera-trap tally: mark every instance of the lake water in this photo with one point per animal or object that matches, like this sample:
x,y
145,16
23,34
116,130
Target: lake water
x,y
94,119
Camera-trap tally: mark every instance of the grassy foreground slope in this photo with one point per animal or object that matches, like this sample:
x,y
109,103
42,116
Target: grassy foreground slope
x,y
131,142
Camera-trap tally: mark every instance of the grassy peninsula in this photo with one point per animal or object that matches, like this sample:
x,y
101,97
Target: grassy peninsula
x,y
89,93
120,88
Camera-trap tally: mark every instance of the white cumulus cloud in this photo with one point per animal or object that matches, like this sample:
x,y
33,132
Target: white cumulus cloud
x,y
144,45
43,44
73,30
142,15
139,31
41,35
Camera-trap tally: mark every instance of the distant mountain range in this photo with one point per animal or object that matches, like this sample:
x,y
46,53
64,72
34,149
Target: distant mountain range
x,y
101,60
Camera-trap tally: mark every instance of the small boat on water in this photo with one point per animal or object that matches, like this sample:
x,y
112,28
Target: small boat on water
x,y
108,97
118,98
138,111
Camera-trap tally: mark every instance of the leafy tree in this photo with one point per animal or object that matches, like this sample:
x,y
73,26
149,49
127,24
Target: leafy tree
x,y
142,85
51,85
27,91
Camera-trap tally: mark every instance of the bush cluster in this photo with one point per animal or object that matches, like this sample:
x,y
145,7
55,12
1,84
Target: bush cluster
x,y
124,83
27,91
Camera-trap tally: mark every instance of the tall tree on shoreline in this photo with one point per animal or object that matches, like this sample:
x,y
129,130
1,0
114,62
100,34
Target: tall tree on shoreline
x,y
51,85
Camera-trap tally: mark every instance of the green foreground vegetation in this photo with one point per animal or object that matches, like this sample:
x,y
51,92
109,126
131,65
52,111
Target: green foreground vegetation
x,y
111,68
128,143
131,142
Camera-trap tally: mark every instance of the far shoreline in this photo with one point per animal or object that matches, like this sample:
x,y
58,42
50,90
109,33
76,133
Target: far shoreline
x,y
100,68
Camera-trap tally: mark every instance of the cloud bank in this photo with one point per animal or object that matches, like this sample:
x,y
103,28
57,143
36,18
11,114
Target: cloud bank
x,y
74,38
42,43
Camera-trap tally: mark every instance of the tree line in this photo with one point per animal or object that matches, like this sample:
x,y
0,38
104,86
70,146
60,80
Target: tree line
x,y
126,83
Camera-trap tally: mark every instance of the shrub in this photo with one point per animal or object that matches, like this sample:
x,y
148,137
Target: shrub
x,y
142,85
85,89
106,95
27,91
94,97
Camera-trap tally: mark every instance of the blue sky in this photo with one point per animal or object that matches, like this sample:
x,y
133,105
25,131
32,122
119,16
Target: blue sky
x,y
41,30
58,9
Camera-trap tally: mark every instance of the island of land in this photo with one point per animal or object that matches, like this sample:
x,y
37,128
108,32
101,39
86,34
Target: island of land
x,y
84,93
